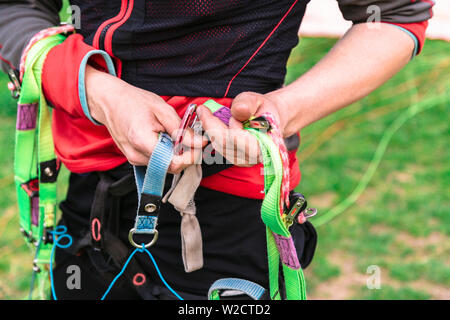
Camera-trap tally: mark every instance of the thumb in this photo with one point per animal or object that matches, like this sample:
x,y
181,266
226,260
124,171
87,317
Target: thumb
x,y
168,118
245,105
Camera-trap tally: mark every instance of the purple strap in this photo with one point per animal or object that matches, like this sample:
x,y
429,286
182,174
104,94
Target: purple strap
x,y
287,251
223,114
35,211
26,116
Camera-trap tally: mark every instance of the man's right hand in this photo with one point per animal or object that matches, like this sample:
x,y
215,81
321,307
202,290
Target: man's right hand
x,y
134,118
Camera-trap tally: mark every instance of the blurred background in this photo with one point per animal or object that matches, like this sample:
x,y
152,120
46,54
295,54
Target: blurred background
x,y
378,172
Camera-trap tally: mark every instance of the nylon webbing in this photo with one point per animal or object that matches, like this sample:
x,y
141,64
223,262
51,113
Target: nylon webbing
x,y
35,165
150,185
279,241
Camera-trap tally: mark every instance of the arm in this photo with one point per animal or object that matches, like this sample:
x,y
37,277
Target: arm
x,y
358,64
19,21
366,57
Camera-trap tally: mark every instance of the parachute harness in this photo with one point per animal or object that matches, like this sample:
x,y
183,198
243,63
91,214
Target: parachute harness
x,y
36,169
35,165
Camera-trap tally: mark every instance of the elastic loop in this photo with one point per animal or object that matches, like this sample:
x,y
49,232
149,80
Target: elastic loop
x,y
96,235
140,282
60,232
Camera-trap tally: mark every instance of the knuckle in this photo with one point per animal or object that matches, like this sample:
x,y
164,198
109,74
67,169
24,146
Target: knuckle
x,y
134,158
175,168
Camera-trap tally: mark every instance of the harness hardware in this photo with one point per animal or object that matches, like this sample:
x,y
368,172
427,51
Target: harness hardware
x,y
189,119
14,86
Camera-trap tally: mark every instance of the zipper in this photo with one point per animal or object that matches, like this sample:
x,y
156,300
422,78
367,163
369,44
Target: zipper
x,y
101,42
108,34
100,34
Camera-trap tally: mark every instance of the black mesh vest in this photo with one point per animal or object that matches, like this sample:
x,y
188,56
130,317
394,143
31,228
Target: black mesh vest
x,y
196,48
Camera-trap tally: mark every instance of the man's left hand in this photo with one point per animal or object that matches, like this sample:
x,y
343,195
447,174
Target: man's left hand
x,y
235,143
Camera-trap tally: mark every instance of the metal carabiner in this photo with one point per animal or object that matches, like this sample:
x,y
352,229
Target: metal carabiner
x,y
189,119
14,84
260,123
134,244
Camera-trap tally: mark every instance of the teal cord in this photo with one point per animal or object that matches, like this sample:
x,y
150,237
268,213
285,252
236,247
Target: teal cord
x,y
381,149
60,233
142,249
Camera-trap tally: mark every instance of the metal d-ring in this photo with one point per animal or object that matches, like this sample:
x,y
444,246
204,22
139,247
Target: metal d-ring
x,y
134,244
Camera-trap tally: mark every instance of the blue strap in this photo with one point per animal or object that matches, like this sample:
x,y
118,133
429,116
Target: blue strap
x,y
150,182
150,179
253,290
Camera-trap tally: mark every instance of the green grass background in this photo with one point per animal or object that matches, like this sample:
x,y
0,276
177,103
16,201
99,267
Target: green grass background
x,y
401,223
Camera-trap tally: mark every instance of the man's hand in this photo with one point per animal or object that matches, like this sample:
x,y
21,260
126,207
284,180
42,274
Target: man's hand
x,y
134,118
236,144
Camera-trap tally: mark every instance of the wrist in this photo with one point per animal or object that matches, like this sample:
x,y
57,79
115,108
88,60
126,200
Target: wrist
x,y
99,86
102,90
287,111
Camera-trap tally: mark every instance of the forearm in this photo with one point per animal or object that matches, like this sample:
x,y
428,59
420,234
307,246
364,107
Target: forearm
x,y
360,62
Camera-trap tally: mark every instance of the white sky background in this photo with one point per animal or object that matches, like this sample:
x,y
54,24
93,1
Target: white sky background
x,y
323,19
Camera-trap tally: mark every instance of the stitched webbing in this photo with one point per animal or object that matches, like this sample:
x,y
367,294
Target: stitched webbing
x,y
34,145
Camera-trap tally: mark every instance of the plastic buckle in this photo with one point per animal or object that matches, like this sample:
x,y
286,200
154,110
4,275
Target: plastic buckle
x,y
14,86
47,236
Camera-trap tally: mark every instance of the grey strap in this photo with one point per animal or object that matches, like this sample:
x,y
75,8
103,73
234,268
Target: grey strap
x,y
181,196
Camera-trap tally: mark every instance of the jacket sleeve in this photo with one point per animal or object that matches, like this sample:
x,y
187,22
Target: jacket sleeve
x,y
64,67
19,21
411,16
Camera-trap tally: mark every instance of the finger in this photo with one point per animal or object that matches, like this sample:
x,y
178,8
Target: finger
x,y
235,144
186,159
192,140
135,157
143,139
216,130
208,120
245,105
234,124
168,118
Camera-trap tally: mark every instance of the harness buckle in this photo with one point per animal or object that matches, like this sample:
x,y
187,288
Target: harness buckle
x,y
259,123
298,205
14,86
188,121
306,214
149,244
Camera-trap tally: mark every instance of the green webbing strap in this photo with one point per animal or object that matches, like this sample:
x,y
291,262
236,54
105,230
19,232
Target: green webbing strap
x,y
270,214
34,146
